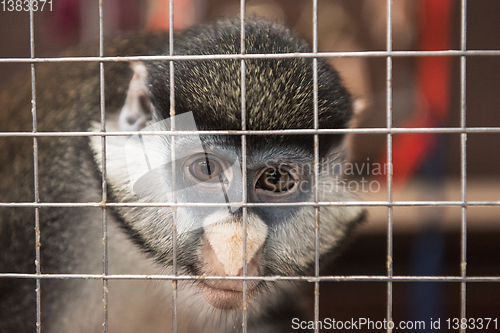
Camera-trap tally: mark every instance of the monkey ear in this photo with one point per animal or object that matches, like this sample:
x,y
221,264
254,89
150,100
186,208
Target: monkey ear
x,y
359,107
138,109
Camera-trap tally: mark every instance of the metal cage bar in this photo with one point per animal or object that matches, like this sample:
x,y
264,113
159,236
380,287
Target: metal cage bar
x,y
324,278
390,241
249,204
173,157
105,271
244,170
463,158
316,164
363,54
38,264
393,130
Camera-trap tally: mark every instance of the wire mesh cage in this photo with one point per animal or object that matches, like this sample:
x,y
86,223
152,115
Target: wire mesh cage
x,y
410,215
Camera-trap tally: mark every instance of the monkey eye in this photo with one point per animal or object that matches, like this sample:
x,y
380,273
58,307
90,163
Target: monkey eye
x,y
205,169
276,180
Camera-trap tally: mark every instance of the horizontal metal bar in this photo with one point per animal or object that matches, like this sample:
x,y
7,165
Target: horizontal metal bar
x,y
263,132
254,204
456,53
329,278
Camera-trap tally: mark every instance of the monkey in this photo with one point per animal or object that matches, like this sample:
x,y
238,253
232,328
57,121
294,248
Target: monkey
x,y
160,182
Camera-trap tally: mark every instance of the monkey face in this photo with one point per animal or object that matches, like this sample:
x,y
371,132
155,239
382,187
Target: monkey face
x,y
205,187
205,182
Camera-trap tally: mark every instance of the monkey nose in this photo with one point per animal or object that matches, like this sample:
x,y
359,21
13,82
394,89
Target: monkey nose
x,y
226,240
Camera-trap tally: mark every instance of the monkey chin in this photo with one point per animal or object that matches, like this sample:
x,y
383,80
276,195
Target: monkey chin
x,y
224,299
226,294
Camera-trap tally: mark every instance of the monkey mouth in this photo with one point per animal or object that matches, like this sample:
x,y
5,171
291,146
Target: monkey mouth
x,y
221,254
227,294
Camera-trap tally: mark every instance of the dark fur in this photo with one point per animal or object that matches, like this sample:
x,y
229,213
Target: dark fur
x,y
68,100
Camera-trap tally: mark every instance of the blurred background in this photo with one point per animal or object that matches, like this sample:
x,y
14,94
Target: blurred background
x,y
427,167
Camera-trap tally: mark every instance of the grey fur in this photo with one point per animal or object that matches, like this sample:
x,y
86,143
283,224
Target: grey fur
x,y
279,96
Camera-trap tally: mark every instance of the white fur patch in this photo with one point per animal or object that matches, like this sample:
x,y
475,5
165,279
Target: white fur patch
x,y
226,239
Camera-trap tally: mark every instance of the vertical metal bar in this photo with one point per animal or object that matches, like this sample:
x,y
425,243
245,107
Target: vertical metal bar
x,y
104,181
463,157
38,264
316,164
244,164
172,152
389,163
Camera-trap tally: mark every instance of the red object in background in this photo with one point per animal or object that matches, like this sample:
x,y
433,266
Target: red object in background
x,y
159,20
67,20
409,150
64,23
